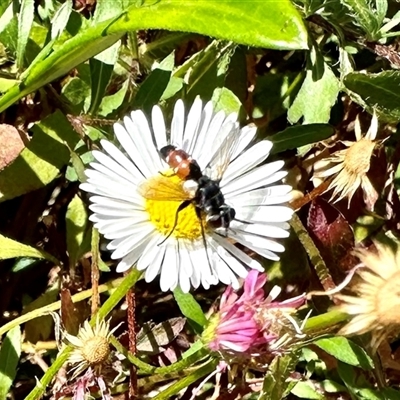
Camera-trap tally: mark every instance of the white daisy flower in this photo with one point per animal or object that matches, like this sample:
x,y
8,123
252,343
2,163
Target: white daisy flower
x,y
131,207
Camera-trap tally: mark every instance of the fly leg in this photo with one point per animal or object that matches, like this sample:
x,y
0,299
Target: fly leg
x,y
181,207
203,235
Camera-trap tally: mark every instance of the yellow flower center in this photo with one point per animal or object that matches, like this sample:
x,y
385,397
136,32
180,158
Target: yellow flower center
x,y
96,350
164,195
358,156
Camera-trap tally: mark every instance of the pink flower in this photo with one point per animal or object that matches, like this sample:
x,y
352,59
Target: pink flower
x,y
252,323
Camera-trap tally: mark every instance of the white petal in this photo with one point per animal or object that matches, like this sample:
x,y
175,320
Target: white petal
x,y
113,227
130,259
170,268
117,202
196,146
112,212
149,253
186,263
111,168
232,262
247,134
192,124
204,155
224,272
139,129
252,245
266,229
104,191
247,161
155,267
267,196
178,123
260,241
258,177
159,130
373,128
127,231
131,148
223,145
129,167
330,171
268,214
185,271
200,262
239,254
113,187
123,246
94,175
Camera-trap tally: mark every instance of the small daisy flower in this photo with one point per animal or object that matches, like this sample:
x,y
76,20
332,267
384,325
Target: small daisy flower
x,y
91,347
352,165
149,212
375,307
253,325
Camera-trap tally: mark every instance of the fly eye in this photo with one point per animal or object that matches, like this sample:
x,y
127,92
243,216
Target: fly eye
x,y
166,151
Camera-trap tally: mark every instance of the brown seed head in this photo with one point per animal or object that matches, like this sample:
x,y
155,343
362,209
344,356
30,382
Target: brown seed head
x,y
358,157
387,303
96,350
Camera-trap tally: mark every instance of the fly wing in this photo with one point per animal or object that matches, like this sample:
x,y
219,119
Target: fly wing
x,y
163,188
223,156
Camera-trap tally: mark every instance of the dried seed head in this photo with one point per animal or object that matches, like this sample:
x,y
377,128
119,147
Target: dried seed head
x,y
96,350
91,346
375,307
351,166
357,158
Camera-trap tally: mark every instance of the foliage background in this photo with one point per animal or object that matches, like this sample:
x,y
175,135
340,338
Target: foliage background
x,y
301,71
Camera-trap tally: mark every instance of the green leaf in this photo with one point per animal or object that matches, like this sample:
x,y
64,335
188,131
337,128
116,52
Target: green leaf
x,y
224,99
274,25
309,103
40,162
209,70
265,24
10,248
9,357
274,93
112,102
300,135
346,351
100,73
154,86
60,19
191,309
78,166
364,16
3,6
106,9
24,263
381,10
6,84
76,91
76,222
377,91
330,386
25,20
276,382
306,390
9,30
42,328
